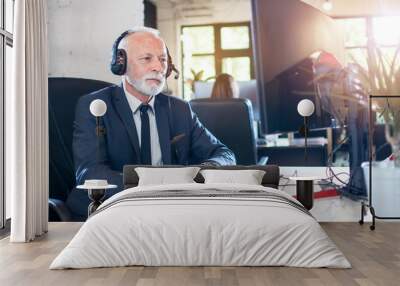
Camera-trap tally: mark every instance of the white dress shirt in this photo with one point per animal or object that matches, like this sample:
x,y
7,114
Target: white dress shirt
x,y
134,104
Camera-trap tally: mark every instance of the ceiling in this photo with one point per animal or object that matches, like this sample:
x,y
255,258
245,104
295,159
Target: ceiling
x,y
193,8
199,8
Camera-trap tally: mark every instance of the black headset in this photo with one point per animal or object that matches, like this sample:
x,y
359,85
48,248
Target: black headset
x,y
119,59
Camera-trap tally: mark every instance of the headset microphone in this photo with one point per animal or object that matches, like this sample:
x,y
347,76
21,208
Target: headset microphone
x,y
177,73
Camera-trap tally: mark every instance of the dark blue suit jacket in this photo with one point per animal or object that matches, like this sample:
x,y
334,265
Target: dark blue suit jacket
x,y
105,158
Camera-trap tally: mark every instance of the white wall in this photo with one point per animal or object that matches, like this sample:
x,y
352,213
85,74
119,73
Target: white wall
x,y
172,17
81,35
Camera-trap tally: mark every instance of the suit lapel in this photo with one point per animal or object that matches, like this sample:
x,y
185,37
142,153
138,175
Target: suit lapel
x,y
162,120
125,113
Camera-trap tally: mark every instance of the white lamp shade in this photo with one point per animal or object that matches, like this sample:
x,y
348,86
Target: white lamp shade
x,y
327,5
98,107
305,107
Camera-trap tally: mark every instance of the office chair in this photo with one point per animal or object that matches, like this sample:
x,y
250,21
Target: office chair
x,y
63,96
231,121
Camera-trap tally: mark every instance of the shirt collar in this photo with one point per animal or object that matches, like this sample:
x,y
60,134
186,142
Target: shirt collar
x,y
135,103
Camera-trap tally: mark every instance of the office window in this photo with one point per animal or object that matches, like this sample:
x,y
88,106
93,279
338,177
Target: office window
x,y
201,63
9,15
355,32
361,31
238,67
386,30
209,50
6,43
234,38
386,33
199,40
355,39
8,70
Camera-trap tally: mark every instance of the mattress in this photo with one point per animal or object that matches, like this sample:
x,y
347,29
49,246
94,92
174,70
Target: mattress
x,y
201,225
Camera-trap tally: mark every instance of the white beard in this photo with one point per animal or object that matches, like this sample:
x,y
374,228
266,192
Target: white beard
x,y
141,85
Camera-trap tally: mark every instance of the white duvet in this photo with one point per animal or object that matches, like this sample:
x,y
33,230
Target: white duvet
x,y
183,231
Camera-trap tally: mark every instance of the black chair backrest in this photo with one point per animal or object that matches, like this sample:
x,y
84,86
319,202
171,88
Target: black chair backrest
x,y
231,121
63,96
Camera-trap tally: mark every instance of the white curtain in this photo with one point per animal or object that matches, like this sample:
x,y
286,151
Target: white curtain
x,y
27,123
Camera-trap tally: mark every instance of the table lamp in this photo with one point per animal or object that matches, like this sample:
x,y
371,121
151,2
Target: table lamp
x,y
305,108
97,188
98,108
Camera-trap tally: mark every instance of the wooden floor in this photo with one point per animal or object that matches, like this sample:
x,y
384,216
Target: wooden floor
x,y
374,255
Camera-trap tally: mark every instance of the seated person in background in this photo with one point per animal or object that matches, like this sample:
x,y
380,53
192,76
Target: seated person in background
x,y
225,87
143,125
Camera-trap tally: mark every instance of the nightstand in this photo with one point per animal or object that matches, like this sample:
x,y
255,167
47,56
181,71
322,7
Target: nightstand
x,y
305,190
96,192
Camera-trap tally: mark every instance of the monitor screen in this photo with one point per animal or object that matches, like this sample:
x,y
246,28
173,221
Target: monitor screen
x,y
285,91
287,38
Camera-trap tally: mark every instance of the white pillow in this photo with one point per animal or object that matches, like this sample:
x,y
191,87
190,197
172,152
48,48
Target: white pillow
x,y
248,177
164,176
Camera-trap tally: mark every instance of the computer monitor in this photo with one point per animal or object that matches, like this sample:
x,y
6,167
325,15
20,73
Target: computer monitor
x,y
286,35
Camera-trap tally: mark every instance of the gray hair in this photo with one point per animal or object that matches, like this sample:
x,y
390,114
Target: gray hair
x,y
137,29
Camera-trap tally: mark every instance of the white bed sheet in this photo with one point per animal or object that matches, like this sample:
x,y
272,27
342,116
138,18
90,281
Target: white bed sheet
x,y
200,231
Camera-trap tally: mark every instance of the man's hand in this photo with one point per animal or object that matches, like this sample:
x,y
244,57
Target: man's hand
x,y
210,163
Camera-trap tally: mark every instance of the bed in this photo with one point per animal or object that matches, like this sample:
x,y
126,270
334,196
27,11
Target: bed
x,y
201,224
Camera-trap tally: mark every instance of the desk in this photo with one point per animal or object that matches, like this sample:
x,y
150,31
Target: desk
x,y
293,155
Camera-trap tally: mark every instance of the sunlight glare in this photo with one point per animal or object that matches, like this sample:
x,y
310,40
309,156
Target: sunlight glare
x,y
386,30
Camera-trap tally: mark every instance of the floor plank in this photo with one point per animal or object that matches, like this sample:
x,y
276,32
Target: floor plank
x,y
374,255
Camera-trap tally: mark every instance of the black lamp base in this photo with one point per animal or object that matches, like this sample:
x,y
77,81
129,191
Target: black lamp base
x,y
305,193
97,196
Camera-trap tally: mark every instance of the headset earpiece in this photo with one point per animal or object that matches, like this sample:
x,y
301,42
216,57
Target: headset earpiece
x,y
118,57
175,70
119,67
